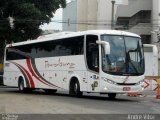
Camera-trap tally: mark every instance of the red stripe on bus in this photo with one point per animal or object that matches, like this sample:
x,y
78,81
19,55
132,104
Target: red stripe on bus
x,y
33,73
29,76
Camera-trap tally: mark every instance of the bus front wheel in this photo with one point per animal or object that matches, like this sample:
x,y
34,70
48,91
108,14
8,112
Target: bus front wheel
x,y
75,89
112,96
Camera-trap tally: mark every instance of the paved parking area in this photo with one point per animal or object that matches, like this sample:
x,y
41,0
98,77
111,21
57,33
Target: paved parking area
x,y
38,102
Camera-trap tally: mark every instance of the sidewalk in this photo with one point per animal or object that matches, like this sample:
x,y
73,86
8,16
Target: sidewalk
x,y
146,93
149,92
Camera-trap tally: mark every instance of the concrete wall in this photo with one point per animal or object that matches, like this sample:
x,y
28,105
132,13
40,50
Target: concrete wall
x,y
96,14
86,14
92,14
155,19
133,7
82,13
156,23
82,8
70,17
89,14
104,14
141,29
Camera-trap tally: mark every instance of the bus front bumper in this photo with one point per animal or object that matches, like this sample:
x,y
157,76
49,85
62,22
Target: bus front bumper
x,y
122,89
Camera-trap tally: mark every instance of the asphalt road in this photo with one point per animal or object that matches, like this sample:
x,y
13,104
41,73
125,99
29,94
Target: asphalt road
x,y
90,105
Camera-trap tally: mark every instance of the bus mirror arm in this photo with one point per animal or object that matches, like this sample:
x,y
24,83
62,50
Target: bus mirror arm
x,y
105,45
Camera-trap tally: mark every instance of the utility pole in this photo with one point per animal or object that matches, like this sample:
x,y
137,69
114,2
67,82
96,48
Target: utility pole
x,y
112,22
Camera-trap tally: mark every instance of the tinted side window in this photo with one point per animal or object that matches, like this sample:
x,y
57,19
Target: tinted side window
x,y
72,46
62,47
92,52
14,54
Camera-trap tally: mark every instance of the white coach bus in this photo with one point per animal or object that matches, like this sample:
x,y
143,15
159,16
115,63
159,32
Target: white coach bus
x,y
96,61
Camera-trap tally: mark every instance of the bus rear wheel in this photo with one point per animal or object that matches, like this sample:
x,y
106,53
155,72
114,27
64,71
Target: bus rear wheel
x,y
21,85
112,95
75,89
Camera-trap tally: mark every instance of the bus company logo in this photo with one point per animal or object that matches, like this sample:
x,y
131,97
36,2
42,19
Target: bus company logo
x,y
95,77
94,85
59,64
125,80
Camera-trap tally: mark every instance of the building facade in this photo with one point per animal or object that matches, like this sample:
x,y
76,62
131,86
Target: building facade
x,y
138,16
80,15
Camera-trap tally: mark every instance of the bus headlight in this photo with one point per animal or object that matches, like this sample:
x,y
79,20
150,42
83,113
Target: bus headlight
x,y
110,81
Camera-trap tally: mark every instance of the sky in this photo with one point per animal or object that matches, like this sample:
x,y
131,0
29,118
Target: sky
x,y
54,25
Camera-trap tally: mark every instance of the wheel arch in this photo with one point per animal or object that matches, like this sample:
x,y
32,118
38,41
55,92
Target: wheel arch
x,y
21,77
74,78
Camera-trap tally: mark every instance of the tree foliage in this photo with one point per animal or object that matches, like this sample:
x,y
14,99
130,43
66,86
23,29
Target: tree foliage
x,y
28,15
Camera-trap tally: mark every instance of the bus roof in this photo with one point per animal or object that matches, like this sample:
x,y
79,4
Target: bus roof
x,y
62,35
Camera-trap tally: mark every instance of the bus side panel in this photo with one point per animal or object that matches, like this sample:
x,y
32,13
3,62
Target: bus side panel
x,y
59,70
11,74
47,73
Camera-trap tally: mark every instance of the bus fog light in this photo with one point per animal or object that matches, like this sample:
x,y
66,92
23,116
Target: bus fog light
x,y
105,88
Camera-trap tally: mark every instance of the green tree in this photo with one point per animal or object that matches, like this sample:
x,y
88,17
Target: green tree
x,y
27,16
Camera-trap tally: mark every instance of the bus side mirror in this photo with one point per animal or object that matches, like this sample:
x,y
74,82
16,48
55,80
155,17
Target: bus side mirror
x,y
105,45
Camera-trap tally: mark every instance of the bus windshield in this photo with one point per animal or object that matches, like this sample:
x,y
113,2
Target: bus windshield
x,y
126,56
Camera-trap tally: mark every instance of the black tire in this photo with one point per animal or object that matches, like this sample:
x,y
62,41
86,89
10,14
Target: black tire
x,y
75,89
50,91
112,96
21,85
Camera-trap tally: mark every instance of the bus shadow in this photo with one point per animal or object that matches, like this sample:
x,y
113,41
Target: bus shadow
x,y
106,98
87,97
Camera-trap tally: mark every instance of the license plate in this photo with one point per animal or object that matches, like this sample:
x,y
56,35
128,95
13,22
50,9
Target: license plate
x,y
126,88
